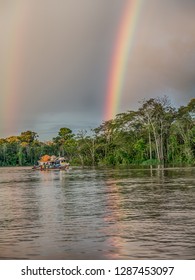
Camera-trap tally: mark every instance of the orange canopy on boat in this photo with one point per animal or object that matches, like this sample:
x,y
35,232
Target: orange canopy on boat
x,y
45,158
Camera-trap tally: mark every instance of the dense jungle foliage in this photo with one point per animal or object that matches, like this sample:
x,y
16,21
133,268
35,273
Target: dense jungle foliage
x,y
156,133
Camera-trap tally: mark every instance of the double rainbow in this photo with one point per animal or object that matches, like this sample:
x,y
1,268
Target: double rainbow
x,y
10,89
122,48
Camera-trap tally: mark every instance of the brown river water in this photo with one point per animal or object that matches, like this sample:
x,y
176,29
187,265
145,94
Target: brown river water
x,y
97,214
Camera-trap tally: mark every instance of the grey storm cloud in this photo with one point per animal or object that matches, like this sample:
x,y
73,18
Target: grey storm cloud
x,y
163,58
66,50
67,54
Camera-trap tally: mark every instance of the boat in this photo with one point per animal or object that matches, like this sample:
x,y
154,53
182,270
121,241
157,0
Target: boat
x,y
47,163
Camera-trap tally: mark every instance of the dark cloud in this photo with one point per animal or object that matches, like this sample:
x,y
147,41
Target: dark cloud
x,y
67,54
162,60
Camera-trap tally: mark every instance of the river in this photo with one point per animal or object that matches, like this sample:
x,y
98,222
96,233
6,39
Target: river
x,y
97,214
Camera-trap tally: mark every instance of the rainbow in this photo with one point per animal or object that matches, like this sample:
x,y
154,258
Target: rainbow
x,y
13,65
123,45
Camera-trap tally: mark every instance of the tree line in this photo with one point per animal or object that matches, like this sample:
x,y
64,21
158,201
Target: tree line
x,y
155,133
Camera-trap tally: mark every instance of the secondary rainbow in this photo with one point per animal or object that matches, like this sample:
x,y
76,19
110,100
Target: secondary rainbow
x,y
13,66
122,48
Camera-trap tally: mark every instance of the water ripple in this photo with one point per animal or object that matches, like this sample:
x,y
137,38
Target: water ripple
x,y
97,214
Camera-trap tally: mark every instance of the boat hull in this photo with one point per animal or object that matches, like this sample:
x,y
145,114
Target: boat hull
x,y
50,168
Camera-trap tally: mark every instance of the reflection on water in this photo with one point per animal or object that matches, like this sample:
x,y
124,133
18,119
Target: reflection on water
x,y
97,214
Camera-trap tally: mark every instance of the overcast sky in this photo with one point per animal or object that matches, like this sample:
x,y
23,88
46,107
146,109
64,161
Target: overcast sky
x,y
55,59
